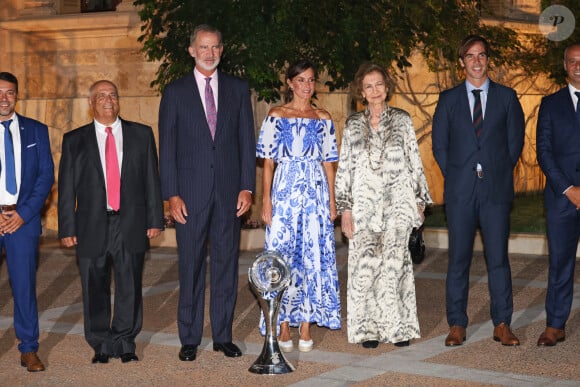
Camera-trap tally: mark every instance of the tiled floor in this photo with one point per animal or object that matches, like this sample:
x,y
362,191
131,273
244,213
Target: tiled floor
x,y
333,362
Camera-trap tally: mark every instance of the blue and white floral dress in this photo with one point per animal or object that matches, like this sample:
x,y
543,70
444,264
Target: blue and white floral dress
x,y
301,229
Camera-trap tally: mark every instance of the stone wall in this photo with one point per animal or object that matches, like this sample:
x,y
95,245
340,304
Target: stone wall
x,y
57,56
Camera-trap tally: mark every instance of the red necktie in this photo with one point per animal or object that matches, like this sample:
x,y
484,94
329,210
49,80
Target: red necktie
x,y
113,175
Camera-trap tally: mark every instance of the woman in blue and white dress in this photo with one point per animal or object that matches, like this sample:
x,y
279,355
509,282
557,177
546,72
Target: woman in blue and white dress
x,y
298,144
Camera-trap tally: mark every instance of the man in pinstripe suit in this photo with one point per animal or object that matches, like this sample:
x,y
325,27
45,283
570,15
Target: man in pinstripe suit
x,y
207,164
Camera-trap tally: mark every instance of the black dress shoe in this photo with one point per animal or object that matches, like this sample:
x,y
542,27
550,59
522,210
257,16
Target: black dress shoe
x,y
129,356
188,352
370,344
229,349
100,358
402,343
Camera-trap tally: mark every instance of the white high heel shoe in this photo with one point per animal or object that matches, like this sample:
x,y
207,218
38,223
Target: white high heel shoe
x,y
286,346
304,345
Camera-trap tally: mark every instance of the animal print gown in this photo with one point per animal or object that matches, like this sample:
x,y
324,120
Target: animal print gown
x,y
380,179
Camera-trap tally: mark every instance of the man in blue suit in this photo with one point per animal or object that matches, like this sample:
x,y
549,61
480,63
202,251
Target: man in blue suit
x,y
558,151
26,178
208,166
478,135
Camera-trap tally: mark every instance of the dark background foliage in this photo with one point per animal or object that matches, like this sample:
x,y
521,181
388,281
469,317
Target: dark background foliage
x,y
262,36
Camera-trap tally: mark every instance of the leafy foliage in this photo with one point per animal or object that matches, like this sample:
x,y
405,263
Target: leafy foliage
x,y
262,36
549,56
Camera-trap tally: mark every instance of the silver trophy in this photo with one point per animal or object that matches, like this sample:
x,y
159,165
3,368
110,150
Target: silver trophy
x,y
269,276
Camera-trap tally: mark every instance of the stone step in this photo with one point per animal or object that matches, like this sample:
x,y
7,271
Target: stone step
x,y
519,243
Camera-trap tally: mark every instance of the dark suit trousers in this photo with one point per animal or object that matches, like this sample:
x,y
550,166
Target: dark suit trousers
x,y
220,224
563,230
114,337
493,220
21,253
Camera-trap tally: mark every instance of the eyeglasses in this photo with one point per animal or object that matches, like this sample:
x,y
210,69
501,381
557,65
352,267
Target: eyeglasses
x,y
102,97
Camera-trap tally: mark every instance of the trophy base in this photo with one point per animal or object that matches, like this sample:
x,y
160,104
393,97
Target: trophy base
x,y
272,369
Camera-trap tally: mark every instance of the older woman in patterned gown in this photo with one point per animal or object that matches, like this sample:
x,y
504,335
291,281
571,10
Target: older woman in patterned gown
x,y
298,206
381,192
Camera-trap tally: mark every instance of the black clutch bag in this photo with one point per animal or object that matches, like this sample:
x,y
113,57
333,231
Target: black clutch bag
x,y
417,245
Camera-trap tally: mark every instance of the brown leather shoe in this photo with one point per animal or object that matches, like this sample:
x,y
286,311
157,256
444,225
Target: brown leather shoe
x,y
551,337
456,336
31,361
503,334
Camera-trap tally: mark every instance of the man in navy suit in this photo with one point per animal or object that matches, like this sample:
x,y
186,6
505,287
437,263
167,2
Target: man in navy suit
x,y
478,135
26,178
558,151
110,219
208,167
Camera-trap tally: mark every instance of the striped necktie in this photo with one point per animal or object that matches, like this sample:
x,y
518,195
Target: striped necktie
x,y
477,112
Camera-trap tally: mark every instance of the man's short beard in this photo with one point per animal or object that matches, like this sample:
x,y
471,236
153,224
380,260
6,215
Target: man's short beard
x,y
201,64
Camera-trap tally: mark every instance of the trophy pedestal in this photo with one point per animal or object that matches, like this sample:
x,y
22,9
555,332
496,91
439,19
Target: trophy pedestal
x,y
269,273
271,361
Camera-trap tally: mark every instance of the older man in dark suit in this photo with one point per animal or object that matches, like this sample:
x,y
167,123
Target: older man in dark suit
x,y
109,206
558,149
478,135
26,177
208,166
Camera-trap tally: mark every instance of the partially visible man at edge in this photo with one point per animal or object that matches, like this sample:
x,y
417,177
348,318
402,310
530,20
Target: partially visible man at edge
x,y
26,178
558,152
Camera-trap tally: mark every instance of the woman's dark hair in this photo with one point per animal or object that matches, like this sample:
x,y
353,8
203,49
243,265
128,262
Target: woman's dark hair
x,y
293,70
365,69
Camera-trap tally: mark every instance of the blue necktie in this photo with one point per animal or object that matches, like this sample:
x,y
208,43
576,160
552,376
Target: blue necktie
x,y
578,106
9,169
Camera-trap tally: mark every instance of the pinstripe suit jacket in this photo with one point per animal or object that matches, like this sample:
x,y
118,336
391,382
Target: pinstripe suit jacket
x,y
193,165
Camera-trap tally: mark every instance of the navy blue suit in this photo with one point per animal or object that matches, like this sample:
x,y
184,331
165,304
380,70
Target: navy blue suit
x,y
558,151
471,201
36,179
208,175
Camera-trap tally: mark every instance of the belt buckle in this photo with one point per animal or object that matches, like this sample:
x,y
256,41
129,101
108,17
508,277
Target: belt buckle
x,y
479,174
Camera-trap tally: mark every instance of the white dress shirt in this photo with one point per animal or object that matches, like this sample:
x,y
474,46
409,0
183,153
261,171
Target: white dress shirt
x,y
200,80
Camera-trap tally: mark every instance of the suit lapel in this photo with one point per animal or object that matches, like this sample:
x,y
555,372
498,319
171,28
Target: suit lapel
x,y
128,146
569,109
92,148
24,141
223,99
197,100
465,111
